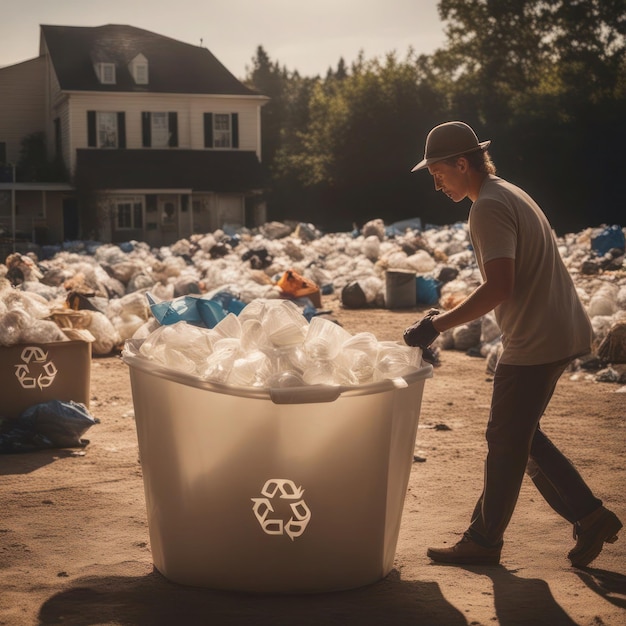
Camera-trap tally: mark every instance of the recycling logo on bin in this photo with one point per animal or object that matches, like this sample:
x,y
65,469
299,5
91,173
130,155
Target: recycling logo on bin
x,y
274,491
35,370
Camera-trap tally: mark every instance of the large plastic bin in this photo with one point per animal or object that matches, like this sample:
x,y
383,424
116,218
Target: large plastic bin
x,y
290,490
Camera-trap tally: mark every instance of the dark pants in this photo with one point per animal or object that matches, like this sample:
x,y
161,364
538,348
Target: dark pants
x,y
515,444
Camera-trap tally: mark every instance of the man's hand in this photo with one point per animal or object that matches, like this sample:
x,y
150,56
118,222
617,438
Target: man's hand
x,y
423,332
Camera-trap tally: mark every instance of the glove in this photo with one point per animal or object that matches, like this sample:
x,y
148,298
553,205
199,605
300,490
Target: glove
x,y
423,332
430,356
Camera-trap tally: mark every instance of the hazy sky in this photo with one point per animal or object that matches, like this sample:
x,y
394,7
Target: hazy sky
x,y
308,36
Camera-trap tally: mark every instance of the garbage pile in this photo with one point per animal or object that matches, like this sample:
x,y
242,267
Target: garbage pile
x,y
271,344
99,291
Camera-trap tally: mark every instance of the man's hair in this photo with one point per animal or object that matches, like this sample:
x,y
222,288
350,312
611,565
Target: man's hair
x,y
479,160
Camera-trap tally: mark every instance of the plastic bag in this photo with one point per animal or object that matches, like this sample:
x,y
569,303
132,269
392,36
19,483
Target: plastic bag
x,y
206,312
610,237
353,296
427,290
52,424
295,285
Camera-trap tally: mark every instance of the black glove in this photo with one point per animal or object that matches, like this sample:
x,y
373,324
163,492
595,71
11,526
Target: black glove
x,y
423,332
431,356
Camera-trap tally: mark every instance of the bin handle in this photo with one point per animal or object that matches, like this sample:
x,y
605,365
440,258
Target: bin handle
x,y
304,395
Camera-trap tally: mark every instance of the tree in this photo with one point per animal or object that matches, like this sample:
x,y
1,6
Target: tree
x,y
34,165
354,156
270,80
282,120
546,77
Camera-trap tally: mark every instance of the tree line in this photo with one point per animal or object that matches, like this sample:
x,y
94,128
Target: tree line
x,y
545,80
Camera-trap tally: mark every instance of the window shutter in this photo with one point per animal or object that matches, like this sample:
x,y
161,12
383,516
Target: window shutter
x,y
208,130
121,129
57,139
145,130
172,122
234,120
91,129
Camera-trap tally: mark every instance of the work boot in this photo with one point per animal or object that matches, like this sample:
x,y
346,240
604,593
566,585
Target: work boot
x,y
466,552
591,533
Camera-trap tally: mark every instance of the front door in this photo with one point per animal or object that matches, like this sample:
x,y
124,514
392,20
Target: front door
x,y
71,222
230,211
168,218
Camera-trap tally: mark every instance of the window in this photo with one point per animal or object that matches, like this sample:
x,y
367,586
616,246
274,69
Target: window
x,y
159,130
106,73
106,129
169,212
221,130
128,213
141,73
138,68
106,124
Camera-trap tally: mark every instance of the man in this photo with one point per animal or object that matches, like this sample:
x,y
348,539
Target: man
x,y
544,326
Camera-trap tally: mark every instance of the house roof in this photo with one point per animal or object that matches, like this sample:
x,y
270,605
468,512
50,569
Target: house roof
x,y
199,170
174,66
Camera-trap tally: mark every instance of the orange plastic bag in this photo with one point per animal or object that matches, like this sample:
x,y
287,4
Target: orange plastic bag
x,y
295,285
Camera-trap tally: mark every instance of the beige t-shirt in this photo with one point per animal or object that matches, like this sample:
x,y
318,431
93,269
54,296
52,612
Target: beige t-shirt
x,y
543,321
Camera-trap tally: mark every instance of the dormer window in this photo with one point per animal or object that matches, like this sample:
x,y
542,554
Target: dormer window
x,y
139,69
106,73
141,74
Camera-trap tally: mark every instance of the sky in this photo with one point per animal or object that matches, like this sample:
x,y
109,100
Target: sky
x,y
309,37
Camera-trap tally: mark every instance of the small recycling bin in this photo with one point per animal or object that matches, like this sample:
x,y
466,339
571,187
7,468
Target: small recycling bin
x,y
33,373
400,289
293,490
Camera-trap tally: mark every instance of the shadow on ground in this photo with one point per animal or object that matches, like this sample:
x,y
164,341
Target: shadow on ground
x,y
152,600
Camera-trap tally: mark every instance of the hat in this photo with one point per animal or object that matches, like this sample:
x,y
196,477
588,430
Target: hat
x,y
449,140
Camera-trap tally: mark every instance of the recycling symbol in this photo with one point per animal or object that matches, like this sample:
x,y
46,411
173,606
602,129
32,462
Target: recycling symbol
x,y
35,371
267,509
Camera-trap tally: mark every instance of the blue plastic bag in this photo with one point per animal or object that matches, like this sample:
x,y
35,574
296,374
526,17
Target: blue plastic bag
x,y
211,312
610,237
427,289
52,424
206,312
183,308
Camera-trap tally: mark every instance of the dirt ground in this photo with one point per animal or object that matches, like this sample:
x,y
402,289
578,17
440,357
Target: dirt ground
x,y
74,545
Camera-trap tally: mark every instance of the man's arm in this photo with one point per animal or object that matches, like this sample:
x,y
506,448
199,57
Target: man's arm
x,y
498,287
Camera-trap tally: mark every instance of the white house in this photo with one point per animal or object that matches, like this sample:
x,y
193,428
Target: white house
x,y
159,139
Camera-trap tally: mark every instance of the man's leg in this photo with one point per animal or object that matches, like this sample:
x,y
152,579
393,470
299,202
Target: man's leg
x,y
558,481
520,396
567,493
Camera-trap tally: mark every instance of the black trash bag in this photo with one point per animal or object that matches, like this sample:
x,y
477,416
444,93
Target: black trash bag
x,y
259,258
353,296
52,424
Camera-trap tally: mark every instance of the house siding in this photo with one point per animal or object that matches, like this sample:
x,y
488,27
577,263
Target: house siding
x,y
189,109
62,111
22,104
54,103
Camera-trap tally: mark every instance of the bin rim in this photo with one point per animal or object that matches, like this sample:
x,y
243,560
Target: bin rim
x,y
286,395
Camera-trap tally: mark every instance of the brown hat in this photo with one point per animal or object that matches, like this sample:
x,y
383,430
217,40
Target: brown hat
x,y
449,140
